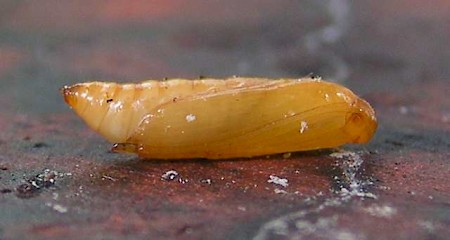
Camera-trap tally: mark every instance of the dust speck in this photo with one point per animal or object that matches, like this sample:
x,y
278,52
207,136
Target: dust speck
x,y
242,208
344,97
109,178
190,117
381,211
206,181
170,175
278,181
303,126
57,207
279,191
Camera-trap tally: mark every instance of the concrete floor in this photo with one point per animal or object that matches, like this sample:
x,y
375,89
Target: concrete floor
x,y
58,179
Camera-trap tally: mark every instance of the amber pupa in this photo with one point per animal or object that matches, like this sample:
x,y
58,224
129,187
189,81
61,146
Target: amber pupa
x,y
222,118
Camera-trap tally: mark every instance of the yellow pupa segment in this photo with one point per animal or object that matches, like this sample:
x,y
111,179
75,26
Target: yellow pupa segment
x,y
238,117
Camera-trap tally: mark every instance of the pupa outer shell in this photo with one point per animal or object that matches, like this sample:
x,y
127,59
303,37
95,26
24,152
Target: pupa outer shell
x,y
230,118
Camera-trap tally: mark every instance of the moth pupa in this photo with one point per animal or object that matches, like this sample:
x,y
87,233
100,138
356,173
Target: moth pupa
x,y
222,118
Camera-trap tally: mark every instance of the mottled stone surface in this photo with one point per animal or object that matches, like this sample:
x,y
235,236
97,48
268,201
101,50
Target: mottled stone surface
x,y
59,181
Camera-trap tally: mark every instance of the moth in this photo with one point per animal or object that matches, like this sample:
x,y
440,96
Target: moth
x,y
222,118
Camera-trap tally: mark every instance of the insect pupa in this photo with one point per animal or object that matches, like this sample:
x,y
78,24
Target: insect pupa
x,y
222,118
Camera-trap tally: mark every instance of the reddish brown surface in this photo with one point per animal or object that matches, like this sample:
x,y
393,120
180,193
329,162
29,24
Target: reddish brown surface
x,y
396,54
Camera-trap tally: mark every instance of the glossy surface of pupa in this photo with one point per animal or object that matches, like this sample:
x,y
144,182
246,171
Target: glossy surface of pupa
x,y
230,118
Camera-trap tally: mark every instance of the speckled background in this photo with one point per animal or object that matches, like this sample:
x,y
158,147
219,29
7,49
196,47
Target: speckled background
x,y
58,179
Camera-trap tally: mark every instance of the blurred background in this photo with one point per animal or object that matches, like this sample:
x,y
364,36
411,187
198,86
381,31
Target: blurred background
x,y
367,45
395,54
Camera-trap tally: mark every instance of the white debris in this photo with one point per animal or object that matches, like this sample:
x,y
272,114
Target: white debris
x,y
287,155
381,211
427,225
279,191
350,165
183,180
341,155
109,178
290,113
344,96
277,180
207,181
57,207
242,208
169,175
190,117
55,196
303,126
